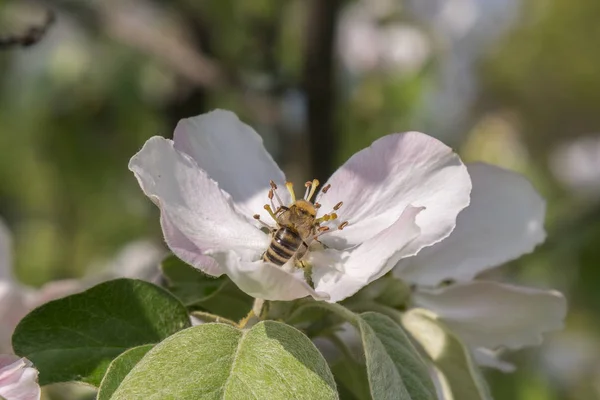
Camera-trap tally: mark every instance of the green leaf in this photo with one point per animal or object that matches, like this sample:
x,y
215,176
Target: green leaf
x,y
394,367
453,361
217,361
76,337
230,302
189,284
199,291
119,368
352,376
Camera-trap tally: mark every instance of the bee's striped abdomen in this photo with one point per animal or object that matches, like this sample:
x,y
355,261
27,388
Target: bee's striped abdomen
x,y
284,245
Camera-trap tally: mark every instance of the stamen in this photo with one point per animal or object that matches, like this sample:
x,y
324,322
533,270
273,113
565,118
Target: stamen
x,y
322,230
326,217
257,217
343,225
307,186
273,193
270,211
326,188
317,205
313,188
338,205
290,188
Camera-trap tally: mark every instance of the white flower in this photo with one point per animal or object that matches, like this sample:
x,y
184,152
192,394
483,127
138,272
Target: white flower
x,y
504,221
18,379
398,195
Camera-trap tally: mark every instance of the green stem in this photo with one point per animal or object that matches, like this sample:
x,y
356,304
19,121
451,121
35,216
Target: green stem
x,y
208,317
255,314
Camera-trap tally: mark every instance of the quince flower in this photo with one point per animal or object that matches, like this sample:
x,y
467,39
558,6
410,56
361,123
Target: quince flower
x,y
18,379
504,221
217,188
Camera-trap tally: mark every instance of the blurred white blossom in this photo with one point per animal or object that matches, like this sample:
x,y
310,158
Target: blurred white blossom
x,y
576,164
16,300
504,221
18,379
366,44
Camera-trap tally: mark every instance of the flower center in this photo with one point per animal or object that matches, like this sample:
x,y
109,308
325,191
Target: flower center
x,y
296,225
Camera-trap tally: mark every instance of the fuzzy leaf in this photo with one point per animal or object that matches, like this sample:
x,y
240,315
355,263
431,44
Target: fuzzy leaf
x,y
75,338
217,361
119,368
395,369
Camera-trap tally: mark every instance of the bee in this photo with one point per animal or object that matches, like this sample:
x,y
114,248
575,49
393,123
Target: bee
x,y
296,228
297,225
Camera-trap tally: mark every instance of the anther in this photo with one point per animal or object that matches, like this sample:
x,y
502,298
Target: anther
x,y
290,188
273,185
313,187
338,205
257,217
271,194
307,186
326,188
322,230
317,205
343,225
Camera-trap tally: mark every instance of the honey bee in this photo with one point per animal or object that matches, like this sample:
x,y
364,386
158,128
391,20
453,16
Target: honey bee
x,y
297,225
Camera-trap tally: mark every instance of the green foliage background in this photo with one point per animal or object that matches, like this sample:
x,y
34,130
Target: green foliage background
x,y
77,105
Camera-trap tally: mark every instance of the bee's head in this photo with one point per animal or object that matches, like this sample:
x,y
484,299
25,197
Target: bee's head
x,y
304,207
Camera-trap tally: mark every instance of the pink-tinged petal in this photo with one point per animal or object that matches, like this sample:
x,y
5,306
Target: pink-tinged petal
x,y
491,359
379,182
233,155
183,248
55,290
5,253
504,221
265,280
343,273
18,379
193,205
490,314
13,307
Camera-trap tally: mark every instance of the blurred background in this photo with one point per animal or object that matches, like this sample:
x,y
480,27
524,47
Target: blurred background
x,y
512,82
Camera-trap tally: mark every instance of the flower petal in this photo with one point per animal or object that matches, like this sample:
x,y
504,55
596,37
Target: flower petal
x,y
13,307
18,379
183,248
490,314
504,220
379,182
192,204
343,273
265,280
233,155
491,359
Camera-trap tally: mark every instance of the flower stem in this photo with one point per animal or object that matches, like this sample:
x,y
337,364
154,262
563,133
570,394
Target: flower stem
x,y
258,306
255,314
208,317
